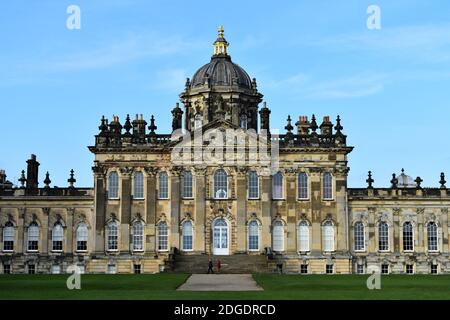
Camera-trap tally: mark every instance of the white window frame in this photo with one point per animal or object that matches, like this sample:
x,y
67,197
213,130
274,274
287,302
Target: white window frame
x,y
138,186
253,189
359,237
436,238
383,238
138,236
8,236
113,185
278,237
304,240
57,236
33,235
82,235
220,184
187,185
326,187
276,188
112,236
162,237
329,237
412,236
186,235
301,187
253,226
163,186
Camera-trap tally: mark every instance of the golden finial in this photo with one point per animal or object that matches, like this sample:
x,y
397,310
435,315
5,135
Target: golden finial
x,y
221,31
220,45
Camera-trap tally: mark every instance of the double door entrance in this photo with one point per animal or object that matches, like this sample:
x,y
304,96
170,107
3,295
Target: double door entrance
x,y
221,239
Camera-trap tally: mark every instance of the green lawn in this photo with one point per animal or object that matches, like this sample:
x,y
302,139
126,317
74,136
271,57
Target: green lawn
x,y
163,286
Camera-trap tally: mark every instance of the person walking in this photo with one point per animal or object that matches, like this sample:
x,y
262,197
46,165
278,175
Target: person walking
x,y
210,267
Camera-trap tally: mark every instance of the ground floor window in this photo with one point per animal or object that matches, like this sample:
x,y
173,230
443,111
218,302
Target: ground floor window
x,y
137,269
360,269
163,237
253,236
7,269
330,269
385,269
304,269
111,269
409,269
31,269
434,269
187,236
56,269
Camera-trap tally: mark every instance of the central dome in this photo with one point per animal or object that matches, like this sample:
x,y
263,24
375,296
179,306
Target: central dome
x,y
221,71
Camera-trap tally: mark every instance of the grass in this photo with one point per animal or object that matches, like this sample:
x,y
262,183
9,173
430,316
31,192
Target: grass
x,y
163,287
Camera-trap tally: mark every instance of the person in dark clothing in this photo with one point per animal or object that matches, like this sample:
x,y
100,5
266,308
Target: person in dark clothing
x,y
210,267
219,266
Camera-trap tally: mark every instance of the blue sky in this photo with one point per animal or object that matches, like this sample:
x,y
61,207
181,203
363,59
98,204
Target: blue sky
x,y
390,86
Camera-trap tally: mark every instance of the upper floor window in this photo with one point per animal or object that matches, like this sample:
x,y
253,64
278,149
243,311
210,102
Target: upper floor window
x,y
220,184
186,185
303,192
253,235
8,237
328,231
33,237
327,186
57,237
163,191
359,237
197,121
253,185
112,236
244,121
383,236
277,186
82,237
163,237
408,237
113,185
187,236
138,186
303,236
432,231
138,236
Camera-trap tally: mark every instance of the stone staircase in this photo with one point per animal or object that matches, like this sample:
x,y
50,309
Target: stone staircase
x,y
236,264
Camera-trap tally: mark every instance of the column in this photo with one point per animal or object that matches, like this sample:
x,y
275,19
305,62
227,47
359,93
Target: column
x,y
150,208
125,209
69,230
241,195
266,210
200,210
100,209
291,201
175,208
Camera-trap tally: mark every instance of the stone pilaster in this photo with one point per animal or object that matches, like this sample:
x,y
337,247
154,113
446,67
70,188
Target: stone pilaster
x,y
241,206
70,231
150,208
125,208
200,210
266,210
174,240
291,202
100,208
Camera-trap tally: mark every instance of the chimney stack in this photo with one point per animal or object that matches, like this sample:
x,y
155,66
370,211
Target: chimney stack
x,y
303,125
32,173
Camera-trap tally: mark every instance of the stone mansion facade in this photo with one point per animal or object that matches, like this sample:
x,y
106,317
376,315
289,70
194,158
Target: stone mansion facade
x,y
154,203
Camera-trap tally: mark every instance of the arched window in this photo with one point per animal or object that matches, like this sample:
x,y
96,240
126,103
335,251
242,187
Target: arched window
x,y
57,237
197,121
278,236
186,185
408,237
163,237
8,237
328,231
432,231
112,234
220,184
303,192
138,236
82,237
253,185
33,237
303,236
328,186
138,186
359,237
244,121
383,236
113,185
277,186
187,236
163,191
253,236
